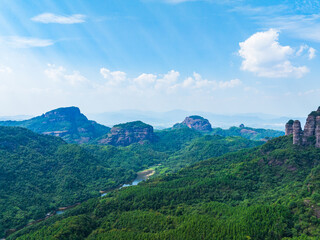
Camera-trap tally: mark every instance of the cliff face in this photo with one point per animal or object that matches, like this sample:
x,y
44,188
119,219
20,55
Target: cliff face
x,y
129,133
297,132
289,127
68,123
195,122
311,133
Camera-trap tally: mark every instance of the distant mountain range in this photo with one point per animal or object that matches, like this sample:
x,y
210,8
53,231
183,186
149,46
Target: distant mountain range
x,y
74,127
161,120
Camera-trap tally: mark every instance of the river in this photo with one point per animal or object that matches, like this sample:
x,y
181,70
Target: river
x,y
142,176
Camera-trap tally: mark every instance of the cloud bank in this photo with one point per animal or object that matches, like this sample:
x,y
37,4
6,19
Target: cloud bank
x,y
263,55
168,82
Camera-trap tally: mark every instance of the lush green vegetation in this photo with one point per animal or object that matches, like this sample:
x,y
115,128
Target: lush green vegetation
x,y
269,192
135,124
249,133
202,148
40,173
67,123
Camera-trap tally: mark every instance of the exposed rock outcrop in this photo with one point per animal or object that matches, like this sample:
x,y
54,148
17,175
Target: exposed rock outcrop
x,y
297,132
311,133
195,122
289,127
318,131
128,133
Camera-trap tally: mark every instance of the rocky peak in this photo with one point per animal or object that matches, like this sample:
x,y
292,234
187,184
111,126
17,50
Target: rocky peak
x,y
289,127
311,133
129,133
64,114
195,122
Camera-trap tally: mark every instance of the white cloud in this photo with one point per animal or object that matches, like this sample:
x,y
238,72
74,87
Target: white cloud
x,y
52,18
5,69
59,74
145,79
113,78
168,80
312,53
302,49
197,82
165,83
230,84
25,42
263,55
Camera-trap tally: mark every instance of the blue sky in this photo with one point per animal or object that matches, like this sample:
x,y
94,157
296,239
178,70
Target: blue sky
x,y
225,57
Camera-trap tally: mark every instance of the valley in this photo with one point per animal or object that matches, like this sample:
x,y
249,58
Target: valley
x,y
210,186
52,174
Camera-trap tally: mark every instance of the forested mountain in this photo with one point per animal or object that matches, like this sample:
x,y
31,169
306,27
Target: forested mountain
x,y
41,173
269,192
203,125
74,127
68,123
258,134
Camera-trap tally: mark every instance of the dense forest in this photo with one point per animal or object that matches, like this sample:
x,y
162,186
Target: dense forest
x,y
268,192
40,173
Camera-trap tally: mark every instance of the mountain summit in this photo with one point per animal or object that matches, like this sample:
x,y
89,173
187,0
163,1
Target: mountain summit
x,y
68,123
195,122
128,133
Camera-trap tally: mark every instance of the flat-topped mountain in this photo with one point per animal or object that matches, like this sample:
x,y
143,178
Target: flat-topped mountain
x,y
68,123
195,122
311,133
128,133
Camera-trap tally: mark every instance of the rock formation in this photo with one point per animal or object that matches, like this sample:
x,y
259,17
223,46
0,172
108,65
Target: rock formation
x,y
195,122
318,131
297,132
311,133
289,127
128,133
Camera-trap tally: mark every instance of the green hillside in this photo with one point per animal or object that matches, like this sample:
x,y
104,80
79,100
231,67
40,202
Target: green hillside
x,y
68,123
40,173
270,192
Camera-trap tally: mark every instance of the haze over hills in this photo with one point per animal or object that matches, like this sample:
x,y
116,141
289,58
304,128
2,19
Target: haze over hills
x,y
162,120
74,127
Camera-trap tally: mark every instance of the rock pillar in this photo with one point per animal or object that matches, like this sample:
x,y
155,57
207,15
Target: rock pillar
x,y
309,129
318,132
289,128
297,132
